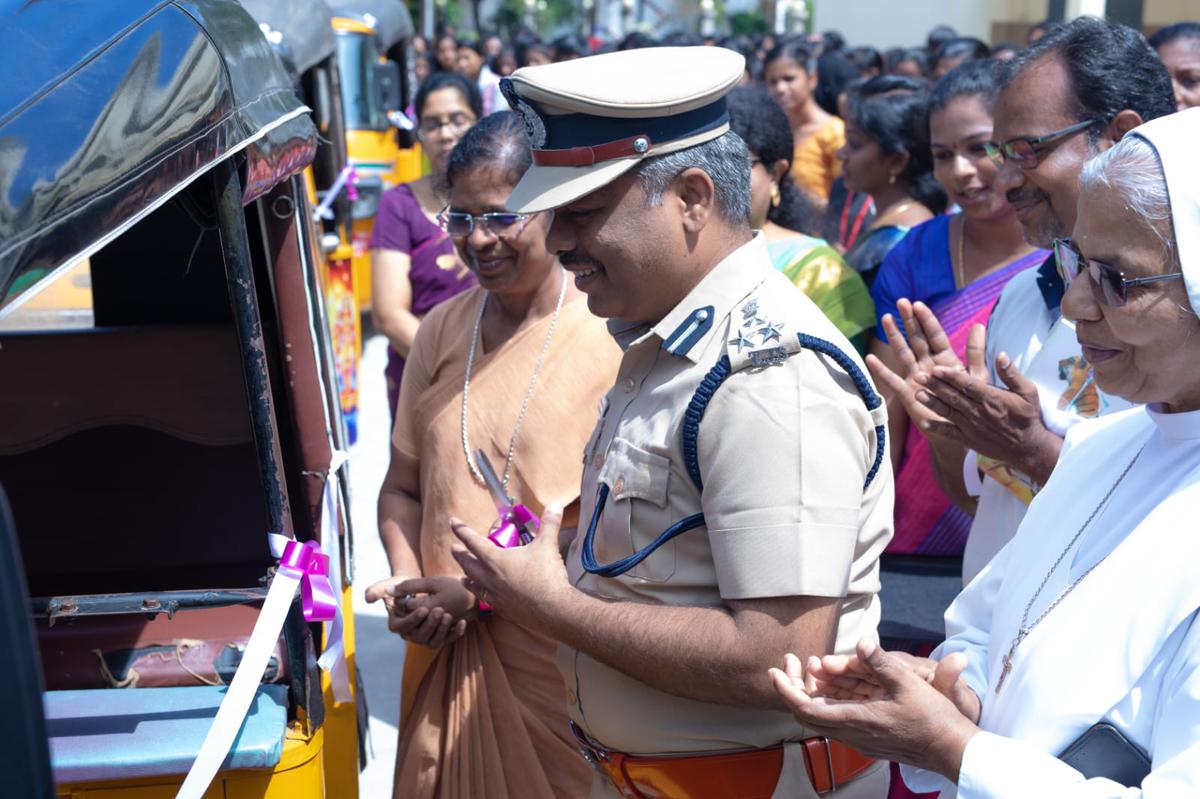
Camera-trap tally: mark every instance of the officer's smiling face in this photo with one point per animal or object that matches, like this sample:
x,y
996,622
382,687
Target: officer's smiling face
x,y
625,254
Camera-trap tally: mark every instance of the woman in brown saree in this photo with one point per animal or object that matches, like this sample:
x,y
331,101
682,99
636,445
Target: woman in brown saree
x,y
515,367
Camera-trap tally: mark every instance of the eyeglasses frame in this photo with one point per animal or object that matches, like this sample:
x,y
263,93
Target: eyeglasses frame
x,y
1121,293
1000,153
449,123
443,219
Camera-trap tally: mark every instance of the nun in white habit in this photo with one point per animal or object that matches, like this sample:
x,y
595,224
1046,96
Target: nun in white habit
x,y
1091,614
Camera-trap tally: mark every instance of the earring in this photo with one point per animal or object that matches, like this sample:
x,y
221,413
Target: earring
x,y
776,197
892,179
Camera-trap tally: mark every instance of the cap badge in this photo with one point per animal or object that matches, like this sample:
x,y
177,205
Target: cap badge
x,y
641,144
535,128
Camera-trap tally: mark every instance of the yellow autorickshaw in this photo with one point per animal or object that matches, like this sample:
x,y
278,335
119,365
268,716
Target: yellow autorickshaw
x,y
378,84
173,457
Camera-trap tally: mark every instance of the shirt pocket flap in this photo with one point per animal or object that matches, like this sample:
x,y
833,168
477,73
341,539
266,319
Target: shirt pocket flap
x,y
633,473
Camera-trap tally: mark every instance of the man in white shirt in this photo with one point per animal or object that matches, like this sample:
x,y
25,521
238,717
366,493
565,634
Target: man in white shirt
x,y
1066,99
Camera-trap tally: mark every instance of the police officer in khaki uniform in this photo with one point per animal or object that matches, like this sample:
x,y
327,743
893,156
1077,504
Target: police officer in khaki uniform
x,y
736,491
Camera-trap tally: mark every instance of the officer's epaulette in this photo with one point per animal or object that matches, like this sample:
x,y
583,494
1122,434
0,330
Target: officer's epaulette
x,y
756,339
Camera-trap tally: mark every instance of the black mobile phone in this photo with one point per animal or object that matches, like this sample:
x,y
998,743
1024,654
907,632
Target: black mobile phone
x,y
1102,751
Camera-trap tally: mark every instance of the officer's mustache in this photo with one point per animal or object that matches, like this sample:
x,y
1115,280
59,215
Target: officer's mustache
x,y
576,258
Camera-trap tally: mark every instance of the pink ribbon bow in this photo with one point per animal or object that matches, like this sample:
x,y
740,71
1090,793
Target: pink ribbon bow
x,y
513,531
304,561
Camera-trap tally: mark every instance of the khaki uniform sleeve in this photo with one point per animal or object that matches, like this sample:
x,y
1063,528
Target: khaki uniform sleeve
x,y
405,435
783,454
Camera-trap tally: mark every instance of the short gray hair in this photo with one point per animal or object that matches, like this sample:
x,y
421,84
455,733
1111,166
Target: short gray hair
x,y
726,160
1133,170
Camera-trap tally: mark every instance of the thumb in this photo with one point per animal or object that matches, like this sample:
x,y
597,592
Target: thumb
x,y
948,671
977,353
1016,381
887,670
552,516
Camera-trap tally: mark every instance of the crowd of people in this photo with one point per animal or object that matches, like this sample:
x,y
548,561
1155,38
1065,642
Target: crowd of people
x,y
1006,239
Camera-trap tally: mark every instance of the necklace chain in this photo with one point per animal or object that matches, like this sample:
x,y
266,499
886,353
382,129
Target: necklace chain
x,y
1026,628
537,368
962,263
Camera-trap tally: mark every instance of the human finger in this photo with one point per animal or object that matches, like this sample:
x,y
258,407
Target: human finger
x,y
789,690
947,679
417,585
405,624
948,671
547,532
934,402
914,332
944,429
897,342
478,545
1012,377
886,377
438,636
962,382
471,566
933,332
891,673
977,352
381,588
424,632
457,631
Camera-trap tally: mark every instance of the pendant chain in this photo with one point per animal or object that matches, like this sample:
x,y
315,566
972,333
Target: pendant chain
x,y
537,368
962,262
1025,629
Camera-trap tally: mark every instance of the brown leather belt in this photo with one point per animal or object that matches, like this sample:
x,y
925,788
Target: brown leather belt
x,y
747,774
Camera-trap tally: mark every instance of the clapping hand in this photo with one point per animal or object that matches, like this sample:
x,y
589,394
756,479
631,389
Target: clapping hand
x,y
880,704
1002,423
926,348
850,677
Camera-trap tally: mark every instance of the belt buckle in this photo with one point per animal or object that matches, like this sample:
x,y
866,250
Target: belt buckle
x,y
595,757
833,786
812,761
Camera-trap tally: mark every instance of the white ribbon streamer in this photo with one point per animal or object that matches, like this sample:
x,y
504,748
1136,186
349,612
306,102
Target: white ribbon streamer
x,y
244,685
333,659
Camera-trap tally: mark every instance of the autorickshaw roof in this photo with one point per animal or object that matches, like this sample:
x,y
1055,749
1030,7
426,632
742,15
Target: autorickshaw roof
x,y
302,27
110,109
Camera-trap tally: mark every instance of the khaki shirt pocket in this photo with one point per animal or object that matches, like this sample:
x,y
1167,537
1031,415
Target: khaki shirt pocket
x,y
638,483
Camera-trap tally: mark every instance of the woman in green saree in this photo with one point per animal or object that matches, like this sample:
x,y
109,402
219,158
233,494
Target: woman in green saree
x,y
782,212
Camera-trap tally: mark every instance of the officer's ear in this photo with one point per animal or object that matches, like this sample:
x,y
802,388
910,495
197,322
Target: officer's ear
x,y
697,197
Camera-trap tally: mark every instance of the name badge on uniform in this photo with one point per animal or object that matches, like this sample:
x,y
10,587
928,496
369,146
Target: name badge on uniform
x,y
768,357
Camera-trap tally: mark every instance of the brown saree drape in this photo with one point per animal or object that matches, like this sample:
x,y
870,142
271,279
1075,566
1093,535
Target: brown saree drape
x,y
486,715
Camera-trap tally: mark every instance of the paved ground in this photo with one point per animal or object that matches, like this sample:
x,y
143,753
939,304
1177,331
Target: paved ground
x,y
380,653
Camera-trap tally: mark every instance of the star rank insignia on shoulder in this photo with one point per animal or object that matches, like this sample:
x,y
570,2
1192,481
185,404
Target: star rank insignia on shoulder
x,y
748,345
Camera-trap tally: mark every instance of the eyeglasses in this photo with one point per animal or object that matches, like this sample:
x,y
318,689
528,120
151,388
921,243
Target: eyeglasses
x,y
1027,151
498,223
456,122
1109,285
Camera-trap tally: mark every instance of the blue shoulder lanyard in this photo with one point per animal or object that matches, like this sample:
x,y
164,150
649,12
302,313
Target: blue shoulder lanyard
x,y
690,439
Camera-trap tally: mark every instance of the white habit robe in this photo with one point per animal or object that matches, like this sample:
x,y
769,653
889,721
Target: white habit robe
x,y
1124,647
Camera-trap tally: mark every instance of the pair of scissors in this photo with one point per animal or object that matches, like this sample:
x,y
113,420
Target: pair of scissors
x,y
515,519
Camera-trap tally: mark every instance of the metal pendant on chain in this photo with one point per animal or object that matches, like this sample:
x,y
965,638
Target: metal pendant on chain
x,y
537,368
1025,627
